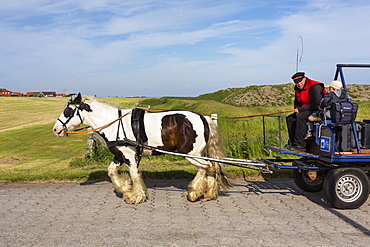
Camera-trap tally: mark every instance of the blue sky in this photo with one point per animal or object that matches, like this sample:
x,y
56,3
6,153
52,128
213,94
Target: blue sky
x,y
176,47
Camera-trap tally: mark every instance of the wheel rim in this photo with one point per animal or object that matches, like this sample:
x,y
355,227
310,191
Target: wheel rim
x,y
348,188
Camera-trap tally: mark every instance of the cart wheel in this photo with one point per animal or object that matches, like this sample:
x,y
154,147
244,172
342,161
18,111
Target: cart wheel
x,y
346,188
303,181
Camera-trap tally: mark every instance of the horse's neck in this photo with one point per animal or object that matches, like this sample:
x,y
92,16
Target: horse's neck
x,y
102,115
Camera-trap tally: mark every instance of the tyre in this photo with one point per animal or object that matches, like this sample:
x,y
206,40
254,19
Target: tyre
x,y
303,181
346,188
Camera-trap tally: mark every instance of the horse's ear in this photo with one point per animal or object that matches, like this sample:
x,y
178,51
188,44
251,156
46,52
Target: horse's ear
x,y
85,107
77,100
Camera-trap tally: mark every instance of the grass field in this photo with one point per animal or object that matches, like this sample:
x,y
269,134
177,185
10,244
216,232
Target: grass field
x,y
30,152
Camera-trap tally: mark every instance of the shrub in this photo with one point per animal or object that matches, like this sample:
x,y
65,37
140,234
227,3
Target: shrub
x,y
101,156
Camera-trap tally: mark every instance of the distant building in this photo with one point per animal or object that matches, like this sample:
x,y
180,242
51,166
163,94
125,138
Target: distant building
x,y
61,95
18,94
29,94
49,94
41,94
34,94
6,93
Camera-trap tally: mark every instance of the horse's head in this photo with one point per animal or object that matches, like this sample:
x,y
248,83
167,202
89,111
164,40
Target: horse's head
x,y
71,118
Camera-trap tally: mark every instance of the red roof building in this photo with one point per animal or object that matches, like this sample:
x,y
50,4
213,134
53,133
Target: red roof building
x,y
5,93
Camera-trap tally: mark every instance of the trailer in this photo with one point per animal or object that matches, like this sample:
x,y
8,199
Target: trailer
x,y
336,160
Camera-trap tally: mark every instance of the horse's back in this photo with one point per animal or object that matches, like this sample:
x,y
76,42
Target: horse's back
x,y
161,118
183,131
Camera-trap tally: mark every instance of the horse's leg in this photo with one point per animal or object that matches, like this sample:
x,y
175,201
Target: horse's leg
x,y
197,186
213,188
204,186
138,192
132,186
121,182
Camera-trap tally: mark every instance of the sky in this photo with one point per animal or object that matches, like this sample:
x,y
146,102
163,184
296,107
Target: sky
x,y
154,48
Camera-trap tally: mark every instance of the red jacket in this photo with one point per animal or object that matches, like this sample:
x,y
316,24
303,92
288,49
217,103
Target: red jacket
x,y
309,97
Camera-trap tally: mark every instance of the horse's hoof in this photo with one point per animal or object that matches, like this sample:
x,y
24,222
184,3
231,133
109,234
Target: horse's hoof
x,y
192,196
134,200
205,199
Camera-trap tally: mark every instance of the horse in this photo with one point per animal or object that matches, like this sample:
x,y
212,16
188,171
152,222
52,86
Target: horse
x,y
130,132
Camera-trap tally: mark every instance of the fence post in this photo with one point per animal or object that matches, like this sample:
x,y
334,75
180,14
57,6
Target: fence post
x,y
214,118
93,141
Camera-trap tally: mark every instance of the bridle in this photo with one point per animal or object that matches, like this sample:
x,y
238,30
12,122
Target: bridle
x,y
69,113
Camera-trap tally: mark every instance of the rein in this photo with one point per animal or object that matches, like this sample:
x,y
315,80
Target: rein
x,y
98,128
251,116
220,118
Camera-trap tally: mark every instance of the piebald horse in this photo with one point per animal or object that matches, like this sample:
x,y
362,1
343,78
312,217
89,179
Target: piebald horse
x,y
179,131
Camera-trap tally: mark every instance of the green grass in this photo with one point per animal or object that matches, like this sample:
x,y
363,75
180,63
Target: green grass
x,y
42,154
18,112
29,151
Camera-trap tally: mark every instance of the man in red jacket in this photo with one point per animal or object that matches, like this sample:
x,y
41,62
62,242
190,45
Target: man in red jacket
x,y
308,94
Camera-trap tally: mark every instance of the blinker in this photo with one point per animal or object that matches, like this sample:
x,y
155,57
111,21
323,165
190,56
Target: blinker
x,y
68,112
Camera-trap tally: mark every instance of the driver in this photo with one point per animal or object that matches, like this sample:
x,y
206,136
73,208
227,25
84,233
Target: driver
x,y
308,94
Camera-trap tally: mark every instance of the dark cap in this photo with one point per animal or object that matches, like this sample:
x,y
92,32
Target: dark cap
x,y
297,77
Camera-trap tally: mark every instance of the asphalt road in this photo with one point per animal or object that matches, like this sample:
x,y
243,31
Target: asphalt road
x,y
252,213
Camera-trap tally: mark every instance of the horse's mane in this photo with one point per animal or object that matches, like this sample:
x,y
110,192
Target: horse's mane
x,y
90,99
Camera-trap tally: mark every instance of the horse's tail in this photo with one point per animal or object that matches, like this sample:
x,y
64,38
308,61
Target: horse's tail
x,y
216,150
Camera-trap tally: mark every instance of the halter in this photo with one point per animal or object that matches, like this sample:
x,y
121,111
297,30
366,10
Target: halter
x,y
69,113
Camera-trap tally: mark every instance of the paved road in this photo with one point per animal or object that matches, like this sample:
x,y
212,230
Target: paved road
x,y
252,213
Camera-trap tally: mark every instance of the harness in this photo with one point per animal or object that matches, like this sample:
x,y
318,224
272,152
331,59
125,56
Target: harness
x,y
137,126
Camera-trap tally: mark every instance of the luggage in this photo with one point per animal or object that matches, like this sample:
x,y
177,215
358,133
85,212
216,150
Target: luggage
x,y
343,113
345,141
365,134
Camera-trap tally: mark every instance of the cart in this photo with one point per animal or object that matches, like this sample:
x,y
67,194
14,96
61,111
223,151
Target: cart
x,y
342,173
339,166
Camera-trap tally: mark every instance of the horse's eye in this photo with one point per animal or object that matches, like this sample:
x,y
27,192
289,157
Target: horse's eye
x,y
68,112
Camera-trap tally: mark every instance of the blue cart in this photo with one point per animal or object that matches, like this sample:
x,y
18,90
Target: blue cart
x,y
339,166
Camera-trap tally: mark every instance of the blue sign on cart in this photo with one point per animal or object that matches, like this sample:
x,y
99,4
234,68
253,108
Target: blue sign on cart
x,y
325,143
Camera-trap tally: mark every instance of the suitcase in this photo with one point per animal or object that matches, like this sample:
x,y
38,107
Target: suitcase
x,y
343,113
345,141
365,134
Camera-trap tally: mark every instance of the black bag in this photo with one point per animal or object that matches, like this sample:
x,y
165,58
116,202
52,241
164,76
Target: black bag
x,y
343,113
